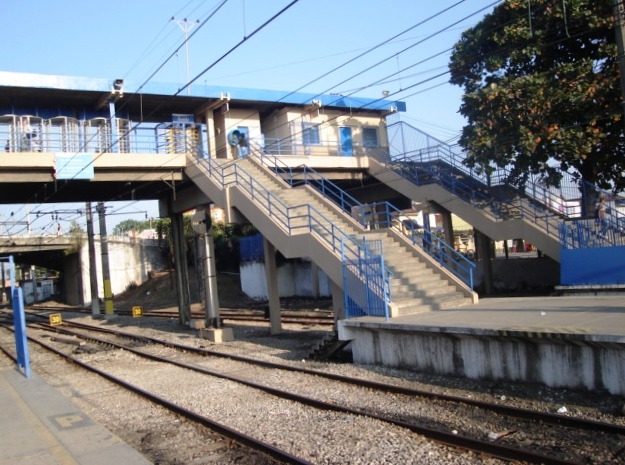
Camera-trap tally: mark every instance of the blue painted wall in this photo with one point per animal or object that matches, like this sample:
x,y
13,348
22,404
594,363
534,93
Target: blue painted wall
x,y
597,265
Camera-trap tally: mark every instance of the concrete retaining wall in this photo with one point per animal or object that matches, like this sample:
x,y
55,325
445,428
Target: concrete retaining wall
x,y
130,261
294,280
564,361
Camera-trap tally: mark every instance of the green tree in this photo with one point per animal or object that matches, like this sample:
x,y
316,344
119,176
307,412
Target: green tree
x,y
75,229
78,237
129,225
542,92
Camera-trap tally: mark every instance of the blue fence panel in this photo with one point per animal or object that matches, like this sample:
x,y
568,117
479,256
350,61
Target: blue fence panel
x,y
366,284
592,266
251,248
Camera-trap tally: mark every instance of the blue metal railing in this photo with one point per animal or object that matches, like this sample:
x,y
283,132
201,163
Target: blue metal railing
x,y
292,219
564,200
585,234
376,215
543,206
419,168
366,292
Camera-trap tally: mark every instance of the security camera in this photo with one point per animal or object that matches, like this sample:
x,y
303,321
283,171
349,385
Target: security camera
x,y
118,87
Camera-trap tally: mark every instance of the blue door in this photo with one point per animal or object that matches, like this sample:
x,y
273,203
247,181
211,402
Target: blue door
x,y
345,134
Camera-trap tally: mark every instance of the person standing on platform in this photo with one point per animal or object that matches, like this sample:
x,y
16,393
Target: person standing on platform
x,y
27,136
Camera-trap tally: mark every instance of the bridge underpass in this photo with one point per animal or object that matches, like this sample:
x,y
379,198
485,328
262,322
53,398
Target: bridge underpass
x,y
131,260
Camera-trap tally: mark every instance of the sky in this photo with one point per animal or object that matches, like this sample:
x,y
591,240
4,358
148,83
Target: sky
x,y
347,47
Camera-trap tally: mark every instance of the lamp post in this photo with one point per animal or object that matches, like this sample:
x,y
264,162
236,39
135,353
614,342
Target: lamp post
x,y
186,26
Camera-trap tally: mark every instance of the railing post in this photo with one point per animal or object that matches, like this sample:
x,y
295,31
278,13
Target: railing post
x,y
19,323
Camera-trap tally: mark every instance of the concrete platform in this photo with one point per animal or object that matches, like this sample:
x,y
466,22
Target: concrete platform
x,y
39,426
567,341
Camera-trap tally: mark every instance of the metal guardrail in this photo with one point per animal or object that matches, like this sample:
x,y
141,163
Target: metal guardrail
x,y
565,200
536,203
363,280
585,234
294,219
376,215
68,135
413,168
294,147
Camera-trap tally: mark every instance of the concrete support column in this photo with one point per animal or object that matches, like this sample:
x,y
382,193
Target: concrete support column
x,y
273,293
3,285
182,276
448,228
314,271
484,251
338,302
210,279
210,135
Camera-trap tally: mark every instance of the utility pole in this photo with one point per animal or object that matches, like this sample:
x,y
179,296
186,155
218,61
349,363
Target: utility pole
x,y
619,28
106,272
93,277
186,26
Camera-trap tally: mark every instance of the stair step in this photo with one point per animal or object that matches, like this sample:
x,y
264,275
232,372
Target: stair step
x,y
421,287
407,306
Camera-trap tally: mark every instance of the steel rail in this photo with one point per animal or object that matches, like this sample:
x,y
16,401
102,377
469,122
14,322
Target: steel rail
x,y
223,430
291,317
545,417
485,447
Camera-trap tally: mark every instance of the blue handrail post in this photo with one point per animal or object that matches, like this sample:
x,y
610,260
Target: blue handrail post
x,y
19,323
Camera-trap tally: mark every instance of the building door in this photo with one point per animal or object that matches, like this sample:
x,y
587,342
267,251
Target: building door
x,y
345,135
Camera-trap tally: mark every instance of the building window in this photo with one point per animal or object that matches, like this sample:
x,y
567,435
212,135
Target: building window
x,y
310,134
370,137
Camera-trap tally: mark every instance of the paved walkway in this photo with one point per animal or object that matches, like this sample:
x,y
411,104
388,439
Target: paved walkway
x,y
590,317
39,426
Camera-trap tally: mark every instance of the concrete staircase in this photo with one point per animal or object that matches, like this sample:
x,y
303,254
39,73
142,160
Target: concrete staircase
x,y
498,225
313,228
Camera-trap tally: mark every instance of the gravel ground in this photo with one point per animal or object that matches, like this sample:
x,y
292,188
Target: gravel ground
x,y
320,436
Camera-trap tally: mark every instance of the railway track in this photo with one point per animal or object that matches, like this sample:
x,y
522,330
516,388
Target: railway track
x,y
323,318
552,439
277,455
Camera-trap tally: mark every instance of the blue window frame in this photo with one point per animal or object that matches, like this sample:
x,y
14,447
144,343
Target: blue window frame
x,y
310,134
370,137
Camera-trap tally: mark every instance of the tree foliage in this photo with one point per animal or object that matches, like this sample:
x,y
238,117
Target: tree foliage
x,y
542,92
131,225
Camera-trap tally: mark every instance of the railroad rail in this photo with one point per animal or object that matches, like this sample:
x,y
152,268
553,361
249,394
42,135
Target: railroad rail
x,y
240,438
490,447
322,318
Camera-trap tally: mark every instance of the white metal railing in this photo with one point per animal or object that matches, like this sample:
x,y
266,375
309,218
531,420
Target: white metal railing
x,y
25,133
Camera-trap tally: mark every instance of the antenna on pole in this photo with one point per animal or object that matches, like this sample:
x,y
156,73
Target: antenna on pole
x,y
186,26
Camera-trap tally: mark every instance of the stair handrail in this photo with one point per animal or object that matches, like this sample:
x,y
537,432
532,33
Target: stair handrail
x,y
589,233
386,215
543,204
447,256
501,209
284,215
552,198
